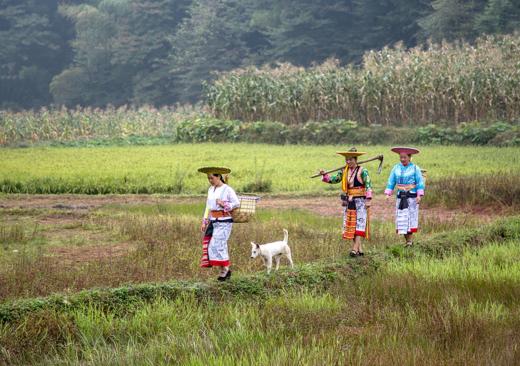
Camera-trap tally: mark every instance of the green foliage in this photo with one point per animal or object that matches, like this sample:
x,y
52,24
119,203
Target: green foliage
x,y
475,133
121,50
499,16
207,130
34,39
68,125
150,126
452,19
303,32
208,41
380,23
459,19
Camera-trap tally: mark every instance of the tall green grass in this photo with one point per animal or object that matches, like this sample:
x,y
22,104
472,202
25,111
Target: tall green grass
x,y
173,169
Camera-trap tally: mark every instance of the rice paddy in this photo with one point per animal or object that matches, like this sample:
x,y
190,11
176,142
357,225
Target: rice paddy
x,y
173,168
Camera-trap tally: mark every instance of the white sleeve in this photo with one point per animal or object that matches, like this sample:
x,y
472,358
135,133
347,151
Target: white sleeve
x,y
232,199
206,210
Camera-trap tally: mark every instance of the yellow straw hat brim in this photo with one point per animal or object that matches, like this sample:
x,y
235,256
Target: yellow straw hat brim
x,y
350,154
214,170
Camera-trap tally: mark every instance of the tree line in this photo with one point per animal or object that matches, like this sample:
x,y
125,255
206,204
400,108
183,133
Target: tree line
x,y
158,52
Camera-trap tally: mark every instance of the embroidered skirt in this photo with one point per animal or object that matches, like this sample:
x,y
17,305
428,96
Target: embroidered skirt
x,y
407,214
214,244
356,219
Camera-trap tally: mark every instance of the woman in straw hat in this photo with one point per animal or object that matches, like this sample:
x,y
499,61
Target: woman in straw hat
x,y
217,222
356,183
410,188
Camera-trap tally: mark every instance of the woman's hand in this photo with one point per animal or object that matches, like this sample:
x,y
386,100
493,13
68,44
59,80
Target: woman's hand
x,y
220,203
203,227
368,202
322,171
418,199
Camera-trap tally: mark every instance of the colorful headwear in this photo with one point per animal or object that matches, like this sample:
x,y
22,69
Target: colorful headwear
x,y
406,150
352,153
214,170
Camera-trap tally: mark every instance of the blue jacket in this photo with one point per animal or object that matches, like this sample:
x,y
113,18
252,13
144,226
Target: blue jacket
x,y
410,174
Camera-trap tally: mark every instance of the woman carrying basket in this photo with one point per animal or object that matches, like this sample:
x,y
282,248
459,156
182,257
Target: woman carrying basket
x,y
217,222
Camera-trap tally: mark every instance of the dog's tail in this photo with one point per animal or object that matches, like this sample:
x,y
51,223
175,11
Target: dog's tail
x,y
285,236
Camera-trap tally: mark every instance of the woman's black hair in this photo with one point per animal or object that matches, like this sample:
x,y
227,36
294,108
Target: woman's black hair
x,y
220,177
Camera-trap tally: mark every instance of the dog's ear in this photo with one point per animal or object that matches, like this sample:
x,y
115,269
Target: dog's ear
x,y
257,246
253,244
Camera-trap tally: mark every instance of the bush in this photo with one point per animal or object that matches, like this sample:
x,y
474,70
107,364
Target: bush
x,y
207,130
259,186
338,131
264,132
148,126
474,133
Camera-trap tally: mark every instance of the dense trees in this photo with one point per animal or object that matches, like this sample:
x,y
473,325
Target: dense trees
x,y
33,48
121,52
99,52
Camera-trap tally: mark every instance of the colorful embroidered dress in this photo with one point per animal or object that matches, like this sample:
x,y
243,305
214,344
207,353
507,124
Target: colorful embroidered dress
x,y
357,185
220,223
410,184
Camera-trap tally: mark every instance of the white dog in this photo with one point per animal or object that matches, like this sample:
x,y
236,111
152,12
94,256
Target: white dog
x,y
273,250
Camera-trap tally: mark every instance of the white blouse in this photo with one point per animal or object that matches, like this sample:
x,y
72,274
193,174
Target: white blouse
x,y
224,193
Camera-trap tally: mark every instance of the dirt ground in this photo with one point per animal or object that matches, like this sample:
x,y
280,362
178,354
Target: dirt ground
x,y
382,208
66,222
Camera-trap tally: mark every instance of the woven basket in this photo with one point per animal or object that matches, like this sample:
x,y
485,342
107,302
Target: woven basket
x,y
246,210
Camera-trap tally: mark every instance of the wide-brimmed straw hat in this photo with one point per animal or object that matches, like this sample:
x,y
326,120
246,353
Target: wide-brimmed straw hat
x,y
214,170
406,150
352,153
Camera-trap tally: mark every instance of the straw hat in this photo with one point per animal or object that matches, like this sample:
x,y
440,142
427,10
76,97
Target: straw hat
x,y
352,153
406,150
214,170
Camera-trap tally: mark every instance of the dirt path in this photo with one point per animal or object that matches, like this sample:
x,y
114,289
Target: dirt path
x,y
382,209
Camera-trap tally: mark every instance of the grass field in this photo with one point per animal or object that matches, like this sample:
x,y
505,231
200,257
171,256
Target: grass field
x,y
452,299
115,280
172,169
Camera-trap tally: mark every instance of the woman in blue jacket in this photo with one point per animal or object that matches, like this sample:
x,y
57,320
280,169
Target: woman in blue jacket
x,y
408,179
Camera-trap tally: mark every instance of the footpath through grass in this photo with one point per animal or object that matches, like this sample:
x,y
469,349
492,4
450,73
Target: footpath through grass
x,y
455,299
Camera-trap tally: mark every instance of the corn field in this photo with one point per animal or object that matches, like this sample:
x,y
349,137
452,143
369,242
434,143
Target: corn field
x,y
87,123
452,82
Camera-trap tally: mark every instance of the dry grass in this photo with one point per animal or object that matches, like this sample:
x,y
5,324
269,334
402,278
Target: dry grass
x,y
111,244
501,189
132,240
